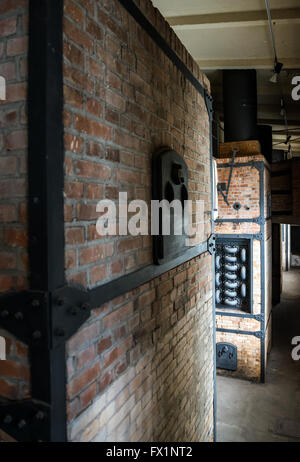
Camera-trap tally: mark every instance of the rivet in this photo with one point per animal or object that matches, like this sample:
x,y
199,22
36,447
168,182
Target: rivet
x,y
40,415
85,306
59,332
19,316
22,423
37,335
4,314
7,419
74,310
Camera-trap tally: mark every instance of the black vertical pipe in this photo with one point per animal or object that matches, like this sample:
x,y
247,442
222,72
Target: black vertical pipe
x,y
265,136
240,105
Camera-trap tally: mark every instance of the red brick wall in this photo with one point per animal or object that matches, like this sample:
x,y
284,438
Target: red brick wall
x,y
245,188
141,368
123,100
14,373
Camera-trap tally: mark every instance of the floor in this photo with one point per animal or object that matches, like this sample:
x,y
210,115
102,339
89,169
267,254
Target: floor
x,y
269,412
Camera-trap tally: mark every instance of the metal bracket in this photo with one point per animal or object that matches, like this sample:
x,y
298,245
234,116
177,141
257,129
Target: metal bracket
x,y
26,420
25,315
259,334
71,308
44,319
211,244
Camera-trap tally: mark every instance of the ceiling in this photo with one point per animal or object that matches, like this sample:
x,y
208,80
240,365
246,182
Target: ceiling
x,y
234,34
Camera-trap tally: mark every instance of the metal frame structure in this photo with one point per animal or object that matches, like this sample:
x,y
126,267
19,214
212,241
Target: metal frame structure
x,y
50,312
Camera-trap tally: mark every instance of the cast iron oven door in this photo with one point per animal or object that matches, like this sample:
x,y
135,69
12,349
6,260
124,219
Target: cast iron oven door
x,y
226,356
170,182
233,274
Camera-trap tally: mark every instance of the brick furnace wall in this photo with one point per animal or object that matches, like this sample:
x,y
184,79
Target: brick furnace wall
x,y
141,368
14,372
245,189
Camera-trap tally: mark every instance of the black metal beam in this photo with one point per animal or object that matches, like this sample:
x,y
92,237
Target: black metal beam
x,y
45,201
45,141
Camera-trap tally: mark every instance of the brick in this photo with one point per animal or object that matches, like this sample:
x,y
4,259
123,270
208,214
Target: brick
x,y
104,344
126,140
94,191
74,189
95,149
8,26
92,170
9,390
116,267
92,127
7,6
83,337
78,78
98,273
115,100
16,92
8,70
86,356
112,116
147,298
108,22
7,213
113,80
127,176
70,259
73,54
8,165
17,46
95,108
16,140
6,283
118,316
83,380
105,380
127,245
96,69
74,236
14,370
73,97
94,29
16,237
87,212
95,253
88,395
113,155
78,36
73,11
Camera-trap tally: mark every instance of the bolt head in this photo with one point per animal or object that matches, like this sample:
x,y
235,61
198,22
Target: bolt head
x,y
59,332
4,314
22,423
36,335
40,415
19,316
7,419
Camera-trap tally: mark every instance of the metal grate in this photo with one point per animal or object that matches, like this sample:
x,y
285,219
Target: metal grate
x,y
233,274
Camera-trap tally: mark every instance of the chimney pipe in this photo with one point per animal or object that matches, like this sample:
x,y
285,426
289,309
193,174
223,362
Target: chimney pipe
x,y
240,105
